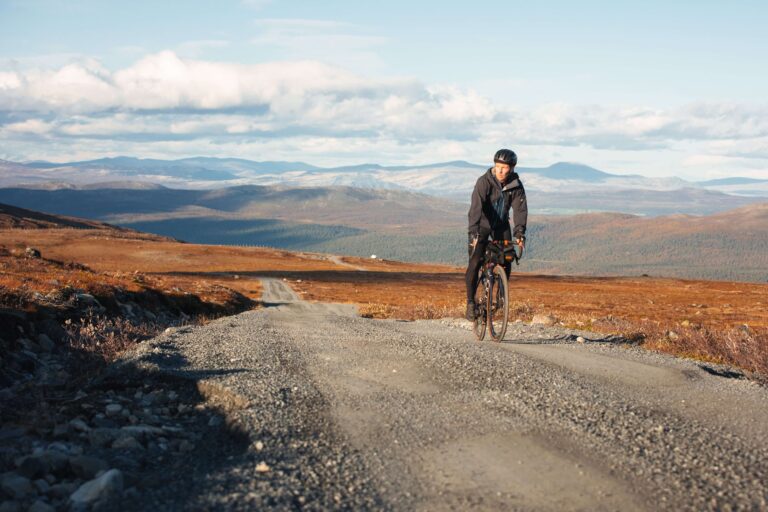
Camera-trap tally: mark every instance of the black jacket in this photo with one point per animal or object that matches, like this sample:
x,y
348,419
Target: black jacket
x,y
489,210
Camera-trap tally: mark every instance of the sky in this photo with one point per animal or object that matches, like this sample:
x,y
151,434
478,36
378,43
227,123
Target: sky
x,y
674,88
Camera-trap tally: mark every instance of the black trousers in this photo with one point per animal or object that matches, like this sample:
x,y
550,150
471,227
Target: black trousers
x,y
476,258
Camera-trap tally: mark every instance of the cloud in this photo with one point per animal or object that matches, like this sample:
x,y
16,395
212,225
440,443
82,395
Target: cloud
x,y
280,107
31,126
300,95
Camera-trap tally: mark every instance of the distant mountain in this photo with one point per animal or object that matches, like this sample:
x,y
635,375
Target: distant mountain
x,y
731,181
560,188
570,171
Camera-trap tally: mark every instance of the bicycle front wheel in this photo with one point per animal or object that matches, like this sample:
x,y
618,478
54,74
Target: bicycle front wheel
x,y
481,303
498,304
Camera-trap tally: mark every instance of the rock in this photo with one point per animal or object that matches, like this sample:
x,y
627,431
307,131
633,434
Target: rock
x,y
28,344
55,461
79,425
103,436
215,421
258,445
9,506
543,320
16,486
31,252
127,443
109,484
262,467
685,323
672,335
186,446
33,466
41,506
62,490
85,466
580,339
113,409
142,430
101,421
42,485
45,343
8,433
60,431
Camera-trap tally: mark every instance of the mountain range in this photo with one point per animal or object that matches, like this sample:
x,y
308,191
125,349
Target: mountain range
x,y
561,188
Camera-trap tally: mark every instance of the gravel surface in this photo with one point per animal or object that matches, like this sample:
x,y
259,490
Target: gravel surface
x,y
307,406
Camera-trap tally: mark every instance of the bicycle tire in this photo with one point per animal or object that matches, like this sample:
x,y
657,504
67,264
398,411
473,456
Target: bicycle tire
x,y
481,297
498,304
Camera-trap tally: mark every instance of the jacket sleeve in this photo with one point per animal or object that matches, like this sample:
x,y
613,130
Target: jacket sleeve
x,y
519,211
476,208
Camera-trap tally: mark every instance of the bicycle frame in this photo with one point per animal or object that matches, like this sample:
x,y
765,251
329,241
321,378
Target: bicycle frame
x,y
497,254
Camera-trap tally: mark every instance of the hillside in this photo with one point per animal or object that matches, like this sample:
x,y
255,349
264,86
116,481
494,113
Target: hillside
x,y
732,245
414,227
381,288
347,206
20,218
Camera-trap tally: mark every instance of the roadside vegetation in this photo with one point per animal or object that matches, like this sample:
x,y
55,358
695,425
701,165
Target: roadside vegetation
x,y
714,321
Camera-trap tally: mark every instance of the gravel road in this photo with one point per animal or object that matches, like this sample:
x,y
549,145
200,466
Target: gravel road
x,y
323,409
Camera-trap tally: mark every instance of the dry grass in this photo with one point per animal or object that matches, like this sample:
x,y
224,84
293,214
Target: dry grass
x,y
705,315
419,311
742,346
106,336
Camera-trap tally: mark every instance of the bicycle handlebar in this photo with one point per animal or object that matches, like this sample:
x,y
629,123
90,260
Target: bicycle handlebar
x,y
507,246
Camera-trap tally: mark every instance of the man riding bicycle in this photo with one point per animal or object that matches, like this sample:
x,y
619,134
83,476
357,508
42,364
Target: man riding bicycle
x,y
496,191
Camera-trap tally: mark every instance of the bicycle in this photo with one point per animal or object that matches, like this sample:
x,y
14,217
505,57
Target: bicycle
x,y
492,293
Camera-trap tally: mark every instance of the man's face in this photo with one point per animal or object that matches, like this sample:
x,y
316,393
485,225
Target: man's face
x,y
501,171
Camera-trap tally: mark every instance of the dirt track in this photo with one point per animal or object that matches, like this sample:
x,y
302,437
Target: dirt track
x,y
359,414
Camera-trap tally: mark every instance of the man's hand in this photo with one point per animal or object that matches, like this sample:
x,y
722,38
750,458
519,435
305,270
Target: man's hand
x,y
474,243
521,242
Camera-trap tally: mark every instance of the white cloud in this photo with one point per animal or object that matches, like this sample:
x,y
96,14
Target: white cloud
x,y
32,126
165,101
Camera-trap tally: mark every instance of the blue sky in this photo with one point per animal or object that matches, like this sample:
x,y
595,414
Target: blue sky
x,y
658,88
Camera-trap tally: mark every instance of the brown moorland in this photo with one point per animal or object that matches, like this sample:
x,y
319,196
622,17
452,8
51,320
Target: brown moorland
x,y
717,321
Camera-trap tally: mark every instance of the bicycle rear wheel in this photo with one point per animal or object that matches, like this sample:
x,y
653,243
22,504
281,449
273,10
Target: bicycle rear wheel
x,y
498,309
481,301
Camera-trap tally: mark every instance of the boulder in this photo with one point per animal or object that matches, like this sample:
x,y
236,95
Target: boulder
x,y
16,486
41,506
127,443
109,484
33,466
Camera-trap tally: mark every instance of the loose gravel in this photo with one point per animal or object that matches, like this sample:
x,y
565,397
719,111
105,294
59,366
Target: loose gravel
x,y
301,406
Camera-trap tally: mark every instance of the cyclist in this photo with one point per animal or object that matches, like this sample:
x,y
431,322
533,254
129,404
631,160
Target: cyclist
x,y
496,191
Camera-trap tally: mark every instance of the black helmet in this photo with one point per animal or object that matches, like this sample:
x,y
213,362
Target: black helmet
x,y
505,156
